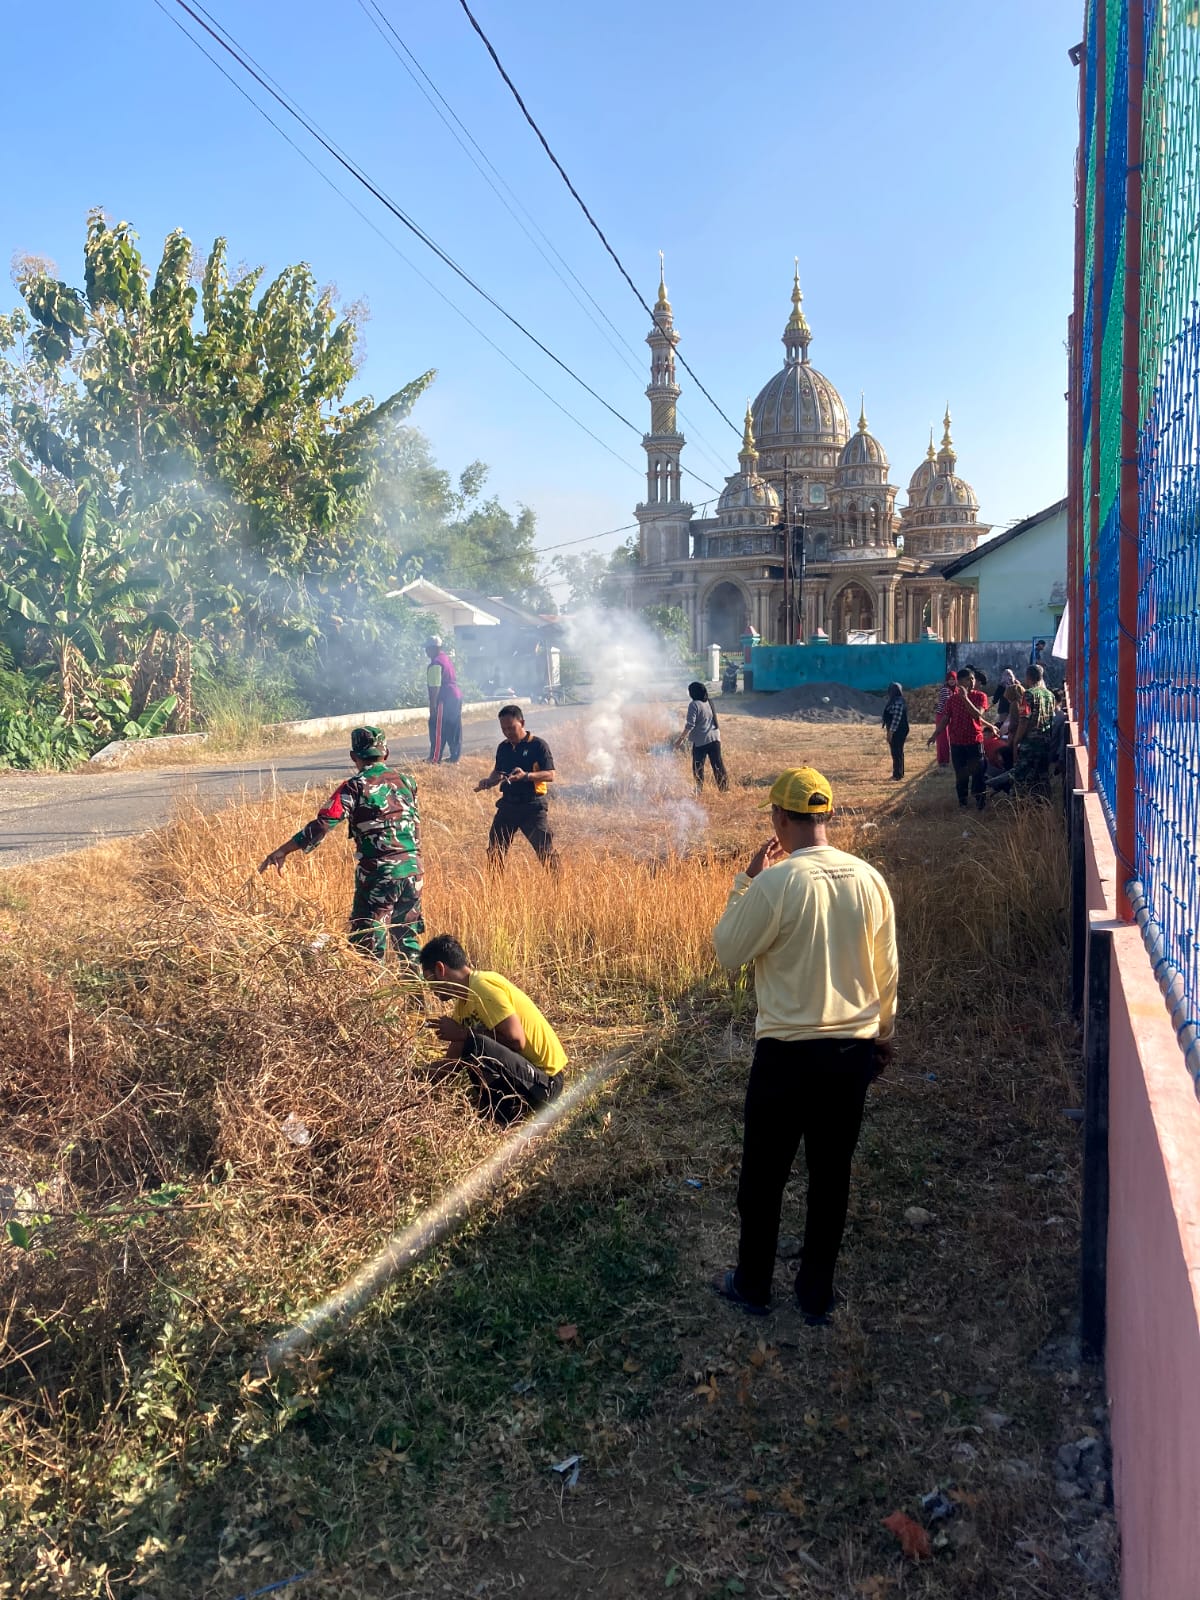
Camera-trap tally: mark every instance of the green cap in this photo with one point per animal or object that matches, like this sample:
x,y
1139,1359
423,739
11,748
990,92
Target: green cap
x,y
368,744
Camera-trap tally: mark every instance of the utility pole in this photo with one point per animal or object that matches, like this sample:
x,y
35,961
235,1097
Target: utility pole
x,y
787,561
801,565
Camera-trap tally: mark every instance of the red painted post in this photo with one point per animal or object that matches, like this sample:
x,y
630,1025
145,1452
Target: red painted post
x,y
1075,500
1092,489
1127,583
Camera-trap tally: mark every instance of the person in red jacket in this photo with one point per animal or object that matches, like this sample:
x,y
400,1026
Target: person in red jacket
x,y
962,721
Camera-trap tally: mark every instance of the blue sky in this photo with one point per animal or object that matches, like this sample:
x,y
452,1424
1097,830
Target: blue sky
x,y
917,158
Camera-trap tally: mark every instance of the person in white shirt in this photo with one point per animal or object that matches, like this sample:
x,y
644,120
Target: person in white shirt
x,y
820,928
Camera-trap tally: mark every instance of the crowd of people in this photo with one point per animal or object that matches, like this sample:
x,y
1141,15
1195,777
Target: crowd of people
x,y
1008,747
816,923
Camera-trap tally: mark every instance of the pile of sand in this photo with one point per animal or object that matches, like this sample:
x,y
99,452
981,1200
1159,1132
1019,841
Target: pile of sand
x,y
816,702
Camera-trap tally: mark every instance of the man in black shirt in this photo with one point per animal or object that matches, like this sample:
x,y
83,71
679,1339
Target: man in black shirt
x,y
524,770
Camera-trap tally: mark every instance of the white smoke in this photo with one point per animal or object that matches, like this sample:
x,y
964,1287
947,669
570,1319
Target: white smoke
x,y
634,671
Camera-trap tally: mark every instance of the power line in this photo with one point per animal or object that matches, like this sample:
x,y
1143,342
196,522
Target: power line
x,y
225,40
401,216
579,200
505,193
391,243
626,527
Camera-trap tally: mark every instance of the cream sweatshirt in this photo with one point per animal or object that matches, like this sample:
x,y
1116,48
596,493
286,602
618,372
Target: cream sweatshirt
x,y
820,929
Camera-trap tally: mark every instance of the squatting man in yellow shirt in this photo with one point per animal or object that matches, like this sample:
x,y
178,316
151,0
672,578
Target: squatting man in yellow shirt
x,y
820,928
512,1054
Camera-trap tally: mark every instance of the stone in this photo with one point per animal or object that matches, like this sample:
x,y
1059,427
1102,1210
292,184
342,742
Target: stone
x,y
917,1217
788,1248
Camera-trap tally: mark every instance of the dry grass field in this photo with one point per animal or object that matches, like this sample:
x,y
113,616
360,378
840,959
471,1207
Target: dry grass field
x,y
164,1010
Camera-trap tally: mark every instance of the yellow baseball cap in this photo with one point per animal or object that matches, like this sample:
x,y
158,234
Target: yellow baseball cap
x,y
803,790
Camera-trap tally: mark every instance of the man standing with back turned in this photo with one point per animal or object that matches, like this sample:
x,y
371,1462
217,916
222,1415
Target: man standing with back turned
x,y
820,928
445,704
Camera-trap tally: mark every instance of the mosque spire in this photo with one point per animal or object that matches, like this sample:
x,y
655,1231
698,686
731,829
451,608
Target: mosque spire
x,y
663,308
797,334
946,455
748,455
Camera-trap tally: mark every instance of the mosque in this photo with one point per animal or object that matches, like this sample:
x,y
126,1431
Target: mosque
x,y
857,570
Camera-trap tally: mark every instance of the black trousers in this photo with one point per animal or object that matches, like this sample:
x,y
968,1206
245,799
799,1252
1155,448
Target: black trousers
x,y
896,743
531,820
713,754
504,1083
810,1090
967,761
445,729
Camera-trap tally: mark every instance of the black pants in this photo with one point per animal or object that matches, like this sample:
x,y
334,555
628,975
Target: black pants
x,y
713,753
896,746
504,1083
531,820
445,729
967,761
813,1090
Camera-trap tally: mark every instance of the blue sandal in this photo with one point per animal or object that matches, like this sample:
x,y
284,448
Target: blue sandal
x,y
724,1285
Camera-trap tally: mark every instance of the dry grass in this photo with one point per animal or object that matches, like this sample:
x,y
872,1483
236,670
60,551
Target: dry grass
x,y
164,1009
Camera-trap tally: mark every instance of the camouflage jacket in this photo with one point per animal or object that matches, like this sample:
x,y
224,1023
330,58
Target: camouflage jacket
x,y
380,805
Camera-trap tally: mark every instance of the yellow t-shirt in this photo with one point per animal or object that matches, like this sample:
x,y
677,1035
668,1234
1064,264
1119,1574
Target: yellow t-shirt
x,y
820,929
490,998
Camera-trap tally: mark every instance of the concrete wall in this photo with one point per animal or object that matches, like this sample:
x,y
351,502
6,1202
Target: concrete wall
x,y
1153,1290
993,656
870,667
1017,581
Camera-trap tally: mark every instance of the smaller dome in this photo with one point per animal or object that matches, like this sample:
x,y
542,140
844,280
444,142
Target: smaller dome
x,y
863,449
946,491
924,475
747,492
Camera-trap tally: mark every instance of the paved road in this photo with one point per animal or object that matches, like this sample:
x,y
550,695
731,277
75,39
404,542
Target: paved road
x,y
45,814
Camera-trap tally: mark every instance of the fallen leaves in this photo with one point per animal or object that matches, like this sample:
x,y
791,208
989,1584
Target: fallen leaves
x,y
567,1332
914,1541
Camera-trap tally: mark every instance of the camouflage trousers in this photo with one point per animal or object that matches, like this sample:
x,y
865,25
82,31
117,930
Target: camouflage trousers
x,y
386,904
1031,769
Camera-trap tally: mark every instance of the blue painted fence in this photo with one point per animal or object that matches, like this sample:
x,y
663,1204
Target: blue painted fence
x,y
869,667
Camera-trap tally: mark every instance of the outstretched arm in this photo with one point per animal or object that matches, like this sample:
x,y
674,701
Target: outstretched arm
x,y
279,856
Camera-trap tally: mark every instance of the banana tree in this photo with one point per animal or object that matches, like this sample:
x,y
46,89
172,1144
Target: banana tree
x,y
66,585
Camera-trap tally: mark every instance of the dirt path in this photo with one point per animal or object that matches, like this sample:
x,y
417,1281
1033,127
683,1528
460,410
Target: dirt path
x,y
50,814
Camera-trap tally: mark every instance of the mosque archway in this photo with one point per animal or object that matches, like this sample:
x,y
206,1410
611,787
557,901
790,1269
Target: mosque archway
x,y
854,611
727,616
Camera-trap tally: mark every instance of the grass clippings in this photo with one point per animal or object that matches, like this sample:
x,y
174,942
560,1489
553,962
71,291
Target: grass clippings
x,y
167,1015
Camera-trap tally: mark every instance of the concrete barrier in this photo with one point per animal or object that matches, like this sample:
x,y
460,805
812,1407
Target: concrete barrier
x,y
404,716
118,752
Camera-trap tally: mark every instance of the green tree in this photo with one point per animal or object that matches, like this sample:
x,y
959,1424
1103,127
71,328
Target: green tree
x,y
68,595
218,422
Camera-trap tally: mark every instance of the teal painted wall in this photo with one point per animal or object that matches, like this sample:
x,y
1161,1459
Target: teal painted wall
x,y
869,667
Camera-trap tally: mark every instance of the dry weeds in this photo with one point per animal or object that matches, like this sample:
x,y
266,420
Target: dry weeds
x,y
165,1009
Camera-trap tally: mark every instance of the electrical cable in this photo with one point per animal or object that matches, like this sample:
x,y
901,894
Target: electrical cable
x,y
222,37
401,216
511,202
391,243
626,527
579,200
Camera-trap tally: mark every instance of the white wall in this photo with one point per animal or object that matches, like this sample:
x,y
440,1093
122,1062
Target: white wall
x,y
1016,582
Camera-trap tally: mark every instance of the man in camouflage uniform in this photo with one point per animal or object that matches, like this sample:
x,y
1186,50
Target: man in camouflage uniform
x,y
380,806
1031,736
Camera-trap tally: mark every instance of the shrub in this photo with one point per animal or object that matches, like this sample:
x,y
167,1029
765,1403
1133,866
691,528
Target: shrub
x,y
37,738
